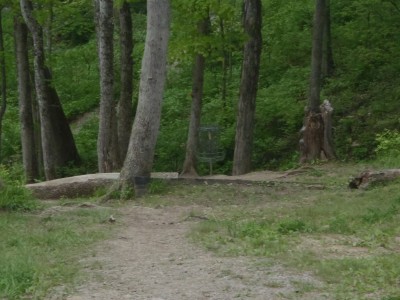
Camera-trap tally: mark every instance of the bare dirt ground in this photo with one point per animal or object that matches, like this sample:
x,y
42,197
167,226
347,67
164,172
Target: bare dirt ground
x,y
150,257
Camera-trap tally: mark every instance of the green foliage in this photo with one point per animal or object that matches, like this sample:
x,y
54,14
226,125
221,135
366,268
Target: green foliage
x,y
14,196
364,90
388,145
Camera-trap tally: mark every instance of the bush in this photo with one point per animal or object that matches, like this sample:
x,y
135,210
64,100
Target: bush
x,y
388,148
14,196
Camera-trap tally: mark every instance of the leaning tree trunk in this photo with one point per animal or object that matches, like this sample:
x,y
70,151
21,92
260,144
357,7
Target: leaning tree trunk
x,y
316,141
107,142
139,159
248,88
125,109
58,145
30,161
189,165
3,104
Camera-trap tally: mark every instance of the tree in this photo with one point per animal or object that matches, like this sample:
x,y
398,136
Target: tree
x,y
317,140
107,142
58,145
328,64
3,104
189,165
125,110
248,87
28,143
140,155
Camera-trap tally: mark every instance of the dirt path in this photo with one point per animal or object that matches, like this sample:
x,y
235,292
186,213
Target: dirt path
x,y
151,258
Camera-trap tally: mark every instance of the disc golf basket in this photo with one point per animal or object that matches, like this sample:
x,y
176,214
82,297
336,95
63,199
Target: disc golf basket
x,y
209,148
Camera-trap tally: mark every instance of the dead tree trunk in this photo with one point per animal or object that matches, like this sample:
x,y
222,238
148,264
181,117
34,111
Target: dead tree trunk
x,y
316,141
367,178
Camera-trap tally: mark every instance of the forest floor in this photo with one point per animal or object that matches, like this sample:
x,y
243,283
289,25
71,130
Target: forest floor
x,y
150,256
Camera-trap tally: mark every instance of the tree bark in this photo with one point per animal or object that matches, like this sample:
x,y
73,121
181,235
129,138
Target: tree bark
x,y
328,64
3,104
316,59
107,142
125,109
30,161
248,88
58,145
317,141
139,159
189,165
368,178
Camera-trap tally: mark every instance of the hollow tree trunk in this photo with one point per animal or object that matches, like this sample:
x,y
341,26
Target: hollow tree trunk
x,y
125,109
58,145
189,165
139,159
248,88
29,158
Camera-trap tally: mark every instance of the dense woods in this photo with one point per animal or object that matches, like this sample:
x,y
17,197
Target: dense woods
x,y
255,69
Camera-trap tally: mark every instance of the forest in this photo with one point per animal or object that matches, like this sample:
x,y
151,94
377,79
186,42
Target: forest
x,y
292,98
359,77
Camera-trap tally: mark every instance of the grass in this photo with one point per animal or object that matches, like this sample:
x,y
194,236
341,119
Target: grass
x,y
349,239
42,249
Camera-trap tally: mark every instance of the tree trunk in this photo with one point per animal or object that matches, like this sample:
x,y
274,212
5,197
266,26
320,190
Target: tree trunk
x,y
25,102
107,142
248,88
58,145
316,141
189,165
125,109
328,64
3,104
139,159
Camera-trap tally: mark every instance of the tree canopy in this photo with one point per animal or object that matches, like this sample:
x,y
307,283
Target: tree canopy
x,y
364,88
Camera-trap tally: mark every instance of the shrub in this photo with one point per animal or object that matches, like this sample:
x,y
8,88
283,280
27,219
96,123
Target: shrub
x,y
14,196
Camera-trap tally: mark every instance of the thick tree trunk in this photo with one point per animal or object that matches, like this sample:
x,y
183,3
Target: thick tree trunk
x,y
248,88
316,141
139,159
125,109
107,142
58,145
189,165
25,102
3,104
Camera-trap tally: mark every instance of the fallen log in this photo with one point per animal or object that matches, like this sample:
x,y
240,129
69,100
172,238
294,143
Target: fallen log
x,y
80,186
367,178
